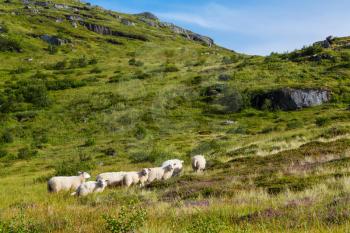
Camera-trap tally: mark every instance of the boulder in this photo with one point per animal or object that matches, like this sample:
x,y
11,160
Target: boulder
x,y
289,99
224,77
148,15
104,30
327,43
188,34
149,22
127,22
42,4
53,40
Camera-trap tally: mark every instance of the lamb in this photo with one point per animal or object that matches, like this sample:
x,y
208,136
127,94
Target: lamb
x,y
131,178
112,178
66,183
90,187
160,173
198,163
177,164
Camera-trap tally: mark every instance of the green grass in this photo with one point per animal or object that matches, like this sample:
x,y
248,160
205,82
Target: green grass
x,y
69,107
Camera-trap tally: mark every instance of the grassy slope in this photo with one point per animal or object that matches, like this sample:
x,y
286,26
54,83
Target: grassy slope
x,y
249,187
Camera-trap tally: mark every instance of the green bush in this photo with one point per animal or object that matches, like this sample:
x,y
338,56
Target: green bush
x,y
63,84
61,65
3,153
170,68
130,218
79,63
33,92
155,155
8,44
322,121
206,224
134,62
89,142
73,166
96,70
26,153
6,136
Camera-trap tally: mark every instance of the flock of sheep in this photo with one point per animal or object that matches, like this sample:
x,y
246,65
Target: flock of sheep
x,y
78,183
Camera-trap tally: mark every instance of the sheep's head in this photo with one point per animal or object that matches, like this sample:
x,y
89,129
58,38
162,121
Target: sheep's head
x,y
169,168
102,183
85,175
145,172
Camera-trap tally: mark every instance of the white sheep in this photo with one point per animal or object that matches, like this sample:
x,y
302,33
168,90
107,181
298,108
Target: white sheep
x,y
66,183
177,165
160,173
131,178
112,178
90,187
198,163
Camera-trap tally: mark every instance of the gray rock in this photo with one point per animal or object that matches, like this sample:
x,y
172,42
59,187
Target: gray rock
x,y
42,4
148,15
228,122
104,30
74,18
224,77
127,22
292,99
61,6
149,22
53,40
188,34
327,43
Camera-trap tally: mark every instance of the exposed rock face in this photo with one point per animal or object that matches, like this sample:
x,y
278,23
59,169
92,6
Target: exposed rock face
x,y
42,4
104,30
127,22
148,15
327,43
188,34
53,40
292,99
149,22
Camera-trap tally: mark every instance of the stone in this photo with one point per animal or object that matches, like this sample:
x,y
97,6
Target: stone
x,y
188,34
53,40
224,77
127,22
289,99
150,23
228,122
148,15
42,4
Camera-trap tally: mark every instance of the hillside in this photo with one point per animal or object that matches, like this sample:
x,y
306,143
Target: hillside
x,y
84,88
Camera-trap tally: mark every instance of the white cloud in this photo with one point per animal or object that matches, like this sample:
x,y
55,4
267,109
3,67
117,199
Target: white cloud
x,y
277,28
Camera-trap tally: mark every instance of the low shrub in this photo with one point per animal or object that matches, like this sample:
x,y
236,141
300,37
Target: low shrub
x,y
71,167
134,62
79,62
322,121
8,44
130,218
26,153
6,136
170,68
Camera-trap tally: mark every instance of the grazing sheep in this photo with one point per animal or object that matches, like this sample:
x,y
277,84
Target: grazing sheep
x,y
160,173
112,178
131,178
177,165
66,183
90,187
198,163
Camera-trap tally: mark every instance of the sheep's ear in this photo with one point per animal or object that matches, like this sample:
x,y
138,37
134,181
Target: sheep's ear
x,y
149,169
182,161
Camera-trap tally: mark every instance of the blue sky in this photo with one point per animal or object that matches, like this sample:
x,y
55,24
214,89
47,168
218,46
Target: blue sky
x,y
249,26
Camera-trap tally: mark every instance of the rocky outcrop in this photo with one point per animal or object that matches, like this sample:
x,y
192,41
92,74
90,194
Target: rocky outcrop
x,y
291,99
104,30
188,34
53,40
127,22
327,43
148,15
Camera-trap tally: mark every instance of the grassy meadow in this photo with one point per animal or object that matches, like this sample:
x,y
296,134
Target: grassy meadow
x,y
103,103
